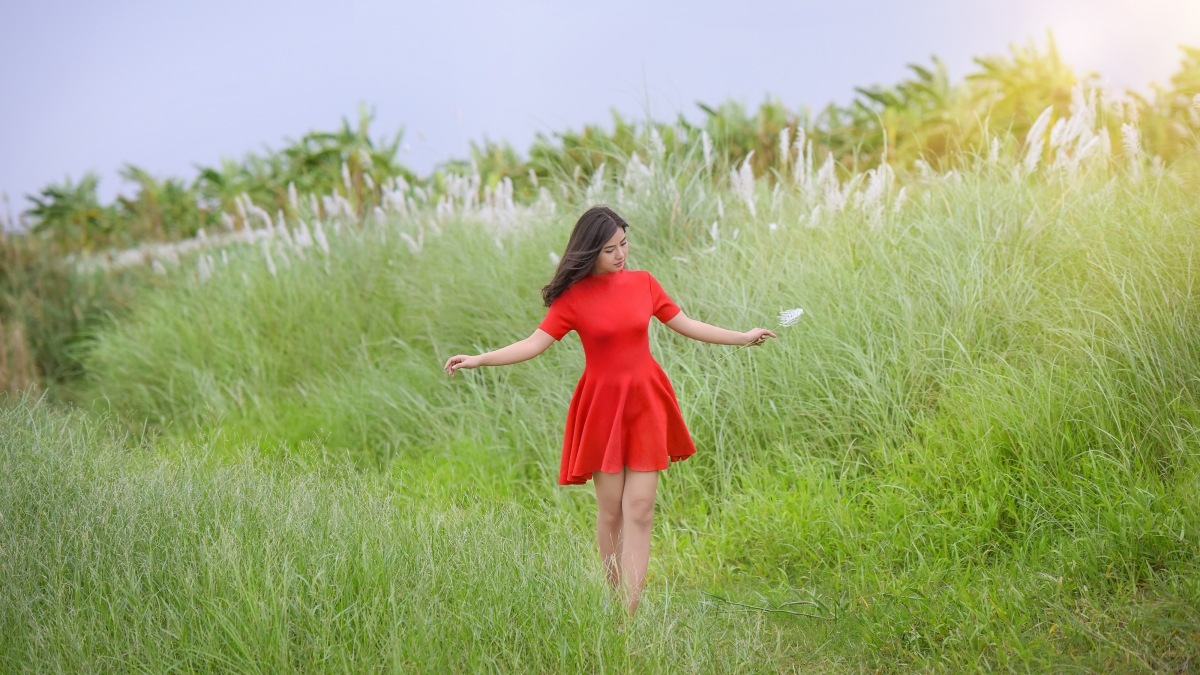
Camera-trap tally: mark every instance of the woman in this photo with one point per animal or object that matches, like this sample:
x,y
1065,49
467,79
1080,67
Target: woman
x,y
624,424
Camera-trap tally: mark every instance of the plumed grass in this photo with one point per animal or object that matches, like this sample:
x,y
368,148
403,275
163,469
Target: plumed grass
x,y
979,447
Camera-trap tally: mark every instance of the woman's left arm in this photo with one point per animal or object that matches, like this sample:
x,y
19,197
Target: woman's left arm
x,y
698,330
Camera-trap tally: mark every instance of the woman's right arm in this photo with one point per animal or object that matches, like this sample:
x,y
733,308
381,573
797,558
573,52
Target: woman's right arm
x,y
517,352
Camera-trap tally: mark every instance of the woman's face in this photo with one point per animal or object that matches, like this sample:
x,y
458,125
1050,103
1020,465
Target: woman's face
x,y
612,256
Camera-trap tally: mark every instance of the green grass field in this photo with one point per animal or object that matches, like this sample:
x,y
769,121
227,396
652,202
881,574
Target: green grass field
x,y
978,450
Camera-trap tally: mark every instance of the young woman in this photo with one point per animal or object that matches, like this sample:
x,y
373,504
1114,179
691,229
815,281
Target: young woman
x,y
624,424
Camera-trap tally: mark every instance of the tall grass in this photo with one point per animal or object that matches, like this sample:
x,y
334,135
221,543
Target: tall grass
x,y
978,448
116,559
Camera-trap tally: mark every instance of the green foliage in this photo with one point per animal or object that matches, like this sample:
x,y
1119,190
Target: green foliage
x,y
117,560
977,450
165,210
347,161
70,214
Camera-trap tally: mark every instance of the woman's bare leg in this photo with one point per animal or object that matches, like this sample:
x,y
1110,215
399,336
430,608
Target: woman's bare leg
x,y
609,488
637,511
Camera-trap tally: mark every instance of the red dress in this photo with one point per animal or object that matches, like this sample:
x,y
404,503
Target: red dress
x,y
623,412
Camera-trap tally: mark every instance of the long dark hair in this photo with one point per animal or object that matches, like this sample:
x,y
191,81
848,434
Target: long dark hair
x,y
593,229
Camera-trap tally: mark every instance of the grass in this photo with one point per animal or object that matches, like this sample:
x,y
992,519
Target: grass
x,y
978,450
118,559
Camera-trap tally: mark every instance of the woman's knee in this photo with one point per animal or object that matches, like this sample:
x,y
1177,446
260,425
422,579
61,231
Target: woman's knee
x,y
609,514
639,511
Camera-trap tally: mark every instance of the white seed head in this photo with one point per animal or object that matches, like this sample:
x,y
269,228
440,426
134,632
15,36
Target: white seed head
x,y
789,317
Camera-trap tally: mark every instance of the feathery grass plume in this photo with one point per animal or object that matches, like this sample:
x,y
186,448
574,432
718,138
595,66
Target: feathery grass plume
x,y
228,221
714,231
656,141
901,199
926,172
832,194
293,198
302,236
370,182
720,207
266,250
1035,141
742,180
879,180
785,146
283,231
319,237
346,178
415,245
1196,104
596,187
158,268
706,145
789,317
798,169
1131,142
554,259
533,179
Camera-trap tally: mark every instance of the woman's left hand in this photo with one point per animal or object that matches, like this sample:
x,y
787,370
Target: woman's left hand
x,y
756,337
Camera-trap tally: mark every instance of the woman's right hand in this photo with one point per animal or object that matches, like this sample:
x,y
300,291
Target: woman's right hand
x,y
460,361
756,337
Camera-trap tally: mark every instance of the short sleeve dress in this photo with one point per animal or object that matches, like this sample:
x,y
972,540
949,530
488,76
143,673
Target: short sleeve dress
x,y
623,412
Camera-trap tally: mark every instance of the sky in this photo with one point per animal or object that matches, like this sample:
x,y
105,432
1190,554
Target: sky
x,y
90,86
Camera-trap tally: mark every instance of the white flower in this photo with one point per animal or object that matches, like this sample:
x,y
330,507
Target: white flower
x,y
789,317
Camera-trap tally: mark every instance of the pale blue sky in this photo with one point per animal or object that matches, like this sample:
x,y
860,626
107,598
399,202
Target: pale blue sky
x,y
89,86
